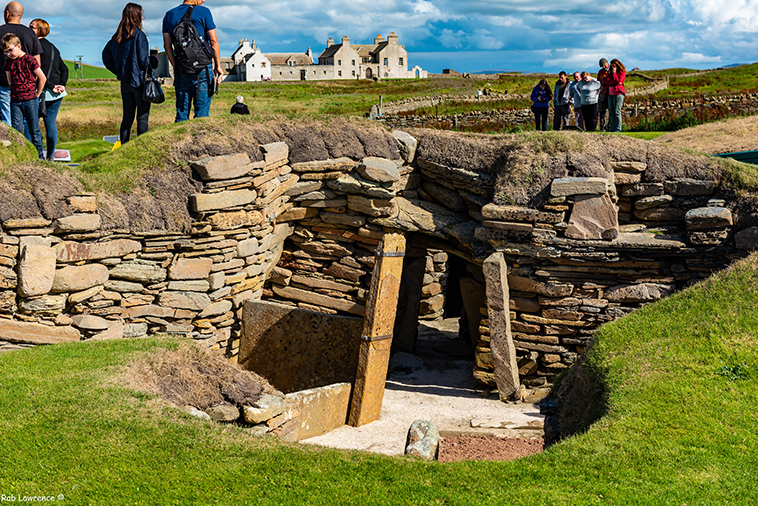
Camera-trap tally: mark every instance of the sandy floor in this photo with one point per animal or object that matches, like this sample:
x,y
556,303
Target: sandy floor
x,y
435,384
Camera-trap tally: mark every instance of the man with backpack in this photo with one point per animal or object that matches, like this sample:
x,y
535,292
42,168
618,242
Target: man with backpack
x,y
189,38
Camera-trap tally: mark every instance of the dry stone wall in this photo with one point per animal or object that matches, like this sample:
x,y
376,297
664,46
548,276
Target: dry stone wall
x,y
69,279
401,116
589,250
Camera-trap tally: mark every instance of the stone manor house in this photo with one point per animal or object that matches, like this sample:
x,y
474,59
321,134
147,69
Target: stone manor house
x,y
385,58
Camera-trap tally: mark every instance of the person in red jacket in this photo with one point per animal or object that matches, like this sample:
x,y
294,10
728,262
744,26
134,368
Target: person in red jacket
x,y
614,82
602,103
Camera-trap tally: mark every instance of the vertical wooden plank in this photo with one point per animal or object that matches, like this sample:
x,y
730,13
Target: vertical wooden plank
x,y
498,312
374,355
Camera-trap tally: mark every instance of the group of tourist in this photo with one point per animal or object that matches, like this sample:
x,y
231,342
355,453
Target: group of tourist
x,y
127,55
34,81
591,98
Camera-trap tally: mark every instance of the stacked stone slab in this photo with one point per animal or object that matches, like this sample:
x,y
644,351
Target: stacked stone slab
x,y
433,290
305,234
69,279
598,249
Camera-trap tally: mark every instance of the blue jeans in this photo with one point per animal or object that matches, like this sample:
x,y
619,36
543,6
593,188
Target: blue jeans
x,y
27,110
614,112
51,127
5,105
193,89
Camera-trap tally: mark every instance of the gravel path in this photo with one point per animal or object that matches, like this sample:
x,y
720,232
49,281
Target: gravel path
x,y
436,384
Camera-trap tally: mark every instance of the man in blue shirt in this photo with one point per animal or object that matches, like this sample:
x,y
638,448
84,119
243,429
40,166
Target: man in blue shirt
x,y
193,88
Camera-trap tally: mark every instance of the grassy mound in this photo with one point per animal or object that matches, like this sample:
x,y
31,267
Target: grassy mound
x,y
681,391
15,149
728,136
524,164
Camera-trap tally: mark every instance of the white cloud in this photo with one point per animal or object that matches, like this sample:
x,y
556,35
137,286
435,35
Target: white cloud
x,y
699,58
653,32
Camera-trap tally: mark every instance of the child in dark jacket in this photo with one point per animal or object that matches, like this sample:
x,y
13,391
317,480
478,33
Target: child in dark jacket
x,y
27,82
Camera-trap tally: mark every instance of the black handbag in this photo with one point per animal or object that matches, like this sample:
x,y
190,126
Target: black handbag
x,y
152,91
42,106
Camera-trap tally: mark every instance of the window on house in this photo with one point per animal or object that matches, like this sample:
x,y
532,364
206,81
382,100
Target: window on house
x,y
339,63
353,73
386,74
386,62
353,63
263,65
401,62
227,66
339,73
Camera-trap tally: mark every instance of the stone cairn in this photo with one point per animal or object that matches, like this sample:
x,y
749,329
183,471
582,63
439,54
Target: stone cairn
x,y
305,234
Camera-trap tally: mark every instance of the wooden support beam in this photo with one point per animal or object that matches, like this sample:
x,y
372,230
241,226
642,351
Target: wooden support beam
x,y
378,326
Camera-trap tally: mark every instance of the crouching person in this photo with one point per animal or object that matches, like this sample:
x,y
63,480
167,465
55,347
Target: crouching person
x,y
27,82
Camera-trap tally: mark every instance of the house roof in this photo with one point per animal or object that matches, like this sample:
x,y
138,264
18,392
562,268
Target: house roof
x,y
330,51
285,58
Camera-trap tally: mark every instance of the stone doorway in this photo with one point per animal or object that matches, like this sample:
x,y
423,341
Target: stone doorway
x,y
440,291
369,73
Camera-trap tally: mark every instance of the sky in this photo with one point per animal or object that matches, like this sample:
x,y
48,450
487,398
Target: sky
x,y
464,35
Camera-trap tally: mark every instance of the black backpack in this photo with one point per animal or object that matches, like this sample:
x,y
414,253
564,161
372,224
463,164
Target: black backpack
x,y
191,54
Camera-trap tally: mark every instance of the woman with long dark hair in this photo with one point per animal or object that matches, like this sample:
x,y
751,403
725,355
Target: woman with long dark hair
x,y
541,97
56,72
127,55
614,82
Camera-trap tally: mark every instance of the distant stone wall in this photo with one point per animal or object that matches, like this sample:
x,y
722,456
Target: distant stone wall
x,y
304,234
400,114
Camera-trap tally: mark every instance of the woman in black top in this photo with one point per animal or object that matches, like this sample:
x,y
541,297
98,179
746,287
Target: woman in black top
x,y
55,89
127,55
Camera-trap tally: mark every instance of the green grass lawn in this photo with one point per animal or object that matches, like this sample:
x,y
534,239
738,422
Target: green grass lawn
x,y
682,394
90,72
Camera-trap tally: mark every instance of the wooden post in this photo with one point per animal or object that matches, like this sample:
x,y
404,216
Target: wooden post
x,y
378,325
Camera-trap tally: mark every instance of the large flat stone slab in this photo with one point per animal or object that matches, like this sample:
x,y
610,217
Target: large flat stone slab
x,y
380,170
76,278
69,251
322,409
36,270
296,349
705,218
518,213
84,222
223,167
593,217
200,202
190,268
567,186
35,333
141,271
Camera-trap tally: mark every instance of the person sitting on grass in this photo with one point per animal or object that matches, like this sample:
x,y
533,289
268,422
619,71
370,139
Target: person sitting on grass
x,y
239,107
27,82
